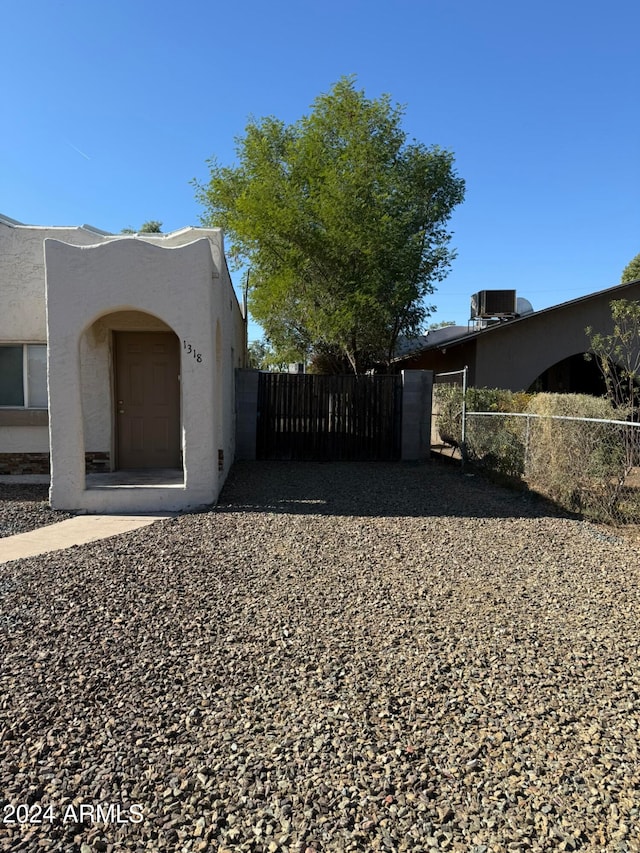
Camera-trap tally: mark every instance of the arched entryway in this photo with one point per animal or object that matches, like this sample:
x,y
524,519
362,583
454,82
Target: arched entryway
x,y
574,375
130,386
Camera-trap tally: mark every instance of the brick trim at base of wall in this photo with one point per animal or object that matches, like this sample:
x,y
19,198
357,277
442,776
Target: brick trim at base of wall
x,y
38,463
24,463
97,462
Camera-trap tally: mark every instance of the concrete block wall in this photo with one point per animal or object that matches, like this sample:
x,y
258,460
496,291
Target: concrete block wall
x,y
246,413
417,388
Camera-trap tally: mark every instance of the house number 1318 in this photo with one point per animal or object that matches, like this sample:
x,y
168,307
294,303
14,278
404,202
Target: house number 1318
x,y
191,351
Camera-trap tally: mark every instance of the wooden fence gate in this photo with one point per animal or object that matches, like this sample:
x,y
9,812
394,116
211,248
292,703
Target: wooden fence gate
x,y
306,417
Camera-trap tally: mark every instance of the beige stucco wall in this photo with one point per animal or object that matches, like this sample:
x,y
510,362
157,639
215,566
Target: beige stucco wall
x,y
180,286
22,294
19,439
115,298
516,354
230,354
22,297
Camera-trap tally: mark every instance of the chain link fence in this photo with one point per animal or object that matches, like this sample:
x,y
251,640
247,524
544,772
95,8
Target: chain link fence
x,y
586,465
447,435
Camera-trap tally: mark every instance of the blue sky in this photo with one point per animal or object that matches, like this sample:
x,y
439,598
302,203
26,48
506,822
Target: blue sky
x,y
109,110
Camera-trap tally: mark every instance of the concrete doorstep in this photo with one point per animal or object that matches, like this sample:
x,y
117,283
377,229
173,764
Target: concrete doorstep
x,y
72,531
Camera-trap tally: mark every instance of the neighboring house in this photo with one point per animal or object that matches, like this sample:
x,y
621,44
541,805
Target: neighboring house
x,y
118,354
539,351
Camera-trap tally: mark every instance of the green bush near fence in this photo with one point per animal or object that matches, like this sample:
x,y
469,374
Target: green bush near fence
x,y
448,406
498,445
447,409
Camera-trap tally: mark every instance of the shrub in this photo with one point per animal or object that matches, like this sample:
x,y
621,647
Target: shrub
x,y
447,407
447,413
570,405
582,466
497,444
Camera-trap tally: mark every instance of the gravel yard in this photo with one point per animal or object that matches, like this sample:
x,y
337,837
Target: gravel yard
x,y
339,657
26,507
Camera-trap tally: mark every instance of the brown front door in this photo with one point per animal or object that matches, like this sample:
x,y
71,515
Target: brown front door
x,y
147,367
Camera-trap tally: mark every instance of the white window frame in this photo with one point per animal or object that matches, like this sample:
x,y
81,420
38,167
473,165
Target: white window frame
x,y
25,375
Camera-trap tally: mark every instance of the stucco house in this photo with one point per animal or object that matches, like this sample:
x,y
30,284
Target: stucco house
x,y
117,364
538,350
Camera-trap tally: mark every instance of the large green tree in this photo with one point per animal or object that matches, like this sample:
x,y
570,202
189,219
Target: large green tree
x,y
343,222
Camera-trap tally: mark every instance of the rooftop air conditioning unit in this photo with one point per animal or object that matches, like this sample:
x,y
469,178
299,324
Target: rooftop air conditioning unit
x,y
493,303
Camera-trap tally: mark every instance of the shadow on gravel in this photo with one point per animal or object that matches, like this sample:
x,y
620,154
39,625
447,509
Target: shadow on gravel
x,y
24,492
373,489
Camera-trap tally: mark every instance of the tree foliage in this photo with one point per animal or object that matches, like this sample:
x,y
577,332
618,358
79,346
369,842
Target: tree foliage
x,y
262,357
150,227
618,356
342,221
443,324
632,270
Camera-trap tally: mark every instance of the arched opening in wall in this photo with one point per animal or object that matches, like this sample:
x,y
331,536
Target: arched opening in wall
x,y
131,400
572,375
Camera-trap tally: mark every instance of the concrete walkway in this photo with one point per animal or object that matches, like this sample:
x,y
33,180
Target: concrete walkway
x,y
72,531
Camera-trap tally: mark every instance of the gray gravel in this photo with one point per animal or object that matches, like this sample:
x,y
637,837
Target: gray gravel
x,y
340,657
25,507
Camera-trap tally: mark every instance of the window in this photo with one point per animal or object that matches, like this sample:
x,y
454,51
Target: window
x,y
23,376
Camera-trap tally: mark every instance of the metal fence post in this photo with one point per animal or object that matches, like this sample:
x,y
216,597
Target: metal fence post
x,y
463,447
